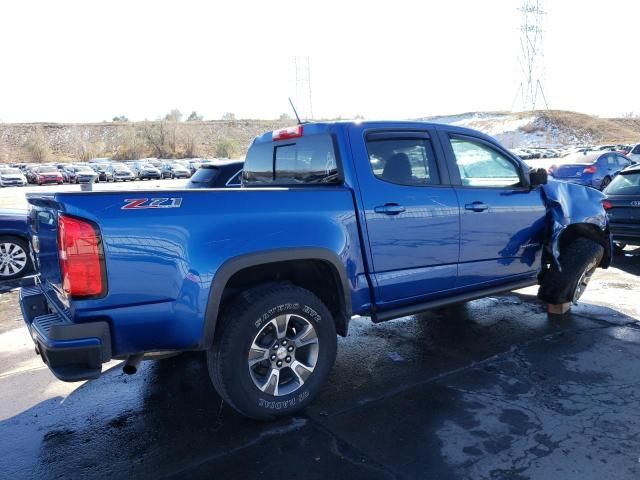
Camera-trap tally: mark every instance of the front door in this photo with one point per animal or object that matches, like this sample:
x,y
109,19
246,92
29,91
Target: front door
x,y
411,213
502,220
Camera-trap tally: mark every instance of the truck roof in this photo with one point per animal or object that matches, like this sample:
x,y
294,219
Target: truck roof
x,y
313,128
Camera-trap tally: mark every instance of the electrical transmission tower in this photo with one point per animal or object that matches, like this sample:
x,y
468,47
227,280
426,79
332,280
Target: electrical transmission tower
x,y
532,54
303,87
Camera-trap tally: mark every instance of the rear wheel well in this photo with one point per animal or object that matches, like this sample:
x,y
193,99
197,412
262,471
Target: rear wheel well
x,y
317,276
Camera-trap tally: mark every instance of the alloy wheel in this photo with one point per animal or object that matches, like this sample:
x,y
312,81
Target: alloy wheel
x,y
13,259
283,355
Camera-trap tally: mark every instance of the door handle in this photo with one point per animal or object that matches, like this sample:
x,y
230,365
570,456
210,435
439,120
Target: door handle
x,y
389,209
476,206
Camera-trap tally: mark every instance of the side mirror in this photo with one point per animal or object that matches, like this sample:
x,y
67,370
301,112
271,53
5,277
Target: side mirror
x,y
537,176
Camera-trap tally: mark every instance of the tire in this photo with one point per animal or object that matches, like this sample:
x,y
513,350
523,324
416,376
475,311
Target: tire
x,y
15,261
578,262
605,181
228,360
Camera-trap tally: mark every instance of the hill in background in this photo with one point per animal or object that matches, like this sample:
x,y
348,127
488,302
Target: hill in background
x,y
23,142
547,127
230,138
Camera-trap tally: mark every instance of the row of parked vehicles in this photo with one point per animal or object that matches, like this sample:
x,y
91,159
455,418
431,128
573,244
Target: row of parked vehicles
x,y
532,153
98,170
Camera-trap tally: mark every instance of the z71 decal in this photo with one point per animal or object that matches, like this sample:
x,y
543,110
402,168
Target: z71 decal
x,y
142,203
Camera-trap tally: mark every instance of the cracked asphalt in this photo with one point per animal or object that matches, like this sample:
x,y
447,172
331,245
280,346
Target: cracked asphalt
x,y
493,389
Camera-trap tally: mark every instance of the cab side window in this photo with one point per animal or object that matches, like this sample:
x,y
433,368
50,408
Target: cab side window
x,y
482,166
403,161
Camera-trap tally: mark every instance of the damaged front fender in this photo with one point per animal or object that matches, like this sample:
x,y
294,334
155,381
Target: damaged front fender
x,y
577,208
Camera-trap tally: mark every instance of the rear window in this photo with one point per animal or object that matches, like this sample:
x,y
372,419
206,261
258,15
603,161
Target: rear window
x,y
305,160
205,175
625,184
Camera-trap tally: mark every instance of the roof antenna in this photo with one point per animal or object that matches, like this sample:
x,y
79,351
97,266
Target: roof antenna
x,y
295,111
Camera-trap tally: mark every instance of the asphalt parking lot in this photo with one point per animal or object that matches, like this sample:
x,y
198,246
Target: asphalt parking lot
x,y
491,389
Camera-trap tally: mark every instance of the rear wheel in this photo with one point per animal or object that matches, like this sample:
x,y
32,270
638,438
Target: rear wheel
x,y
277,364
579,261
15,261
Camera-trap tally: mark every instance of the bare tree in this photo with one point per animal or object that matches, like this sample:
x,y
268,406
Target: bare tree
x,y
229,116
161,137
156,134
190,138
130,144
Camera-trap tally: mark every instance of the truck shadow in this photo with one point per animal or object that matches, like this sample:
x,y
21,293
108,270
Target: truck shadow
x,y
168,419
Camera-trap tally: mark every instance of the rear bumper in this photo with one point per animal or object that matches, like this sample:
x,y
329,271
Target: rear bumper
x,y
72,351
625,233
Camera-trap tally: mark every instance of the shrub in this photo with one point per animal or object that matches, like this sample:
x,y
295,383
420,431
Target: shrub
x,y
37,146
226,148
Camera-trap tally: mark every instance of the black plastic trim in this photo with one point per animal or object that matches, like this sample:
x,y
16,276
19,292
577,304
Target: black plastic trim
x,y
234,265
381,316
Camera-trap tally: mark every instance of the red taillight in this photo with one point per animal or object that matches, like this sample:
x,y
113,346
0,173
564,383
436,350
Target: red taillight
x,y
289,132
81,258
589,169
607,205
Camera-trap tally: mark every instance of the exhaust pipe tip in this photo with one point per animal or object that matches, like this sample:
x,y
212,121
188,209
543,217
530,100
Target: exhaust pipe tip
x,y
132,363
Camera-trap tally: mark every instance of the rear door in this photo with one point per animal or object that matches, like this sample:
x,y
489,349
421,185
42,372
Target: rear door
x,y
411,213
502,220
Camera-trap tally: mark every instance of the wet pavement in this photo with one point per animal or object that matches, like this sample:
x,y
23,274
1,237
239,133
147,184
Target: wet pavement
x,y
492,389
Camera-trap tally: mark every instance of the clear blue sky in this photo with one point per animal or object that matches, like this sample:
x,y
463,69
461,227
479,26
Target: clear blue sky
x,y
74,61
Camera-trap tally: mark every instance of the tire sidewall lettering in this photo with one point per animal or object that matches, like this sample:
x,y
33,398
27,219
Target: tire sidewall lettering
x,y
297,398
286,307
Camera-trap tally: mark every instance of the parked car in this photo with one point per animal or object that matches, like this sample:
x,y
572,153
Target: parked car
x,y
634,153
121,172
63,171
15,259
102,169
193,165
594,169
146,171
217,175
174,170
83,174
12,177
623,207
333,220
47,174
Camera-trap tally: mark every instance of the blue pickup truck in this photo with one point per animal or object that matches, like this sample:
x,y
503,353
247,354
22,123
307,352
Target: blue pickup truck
x,y
333,220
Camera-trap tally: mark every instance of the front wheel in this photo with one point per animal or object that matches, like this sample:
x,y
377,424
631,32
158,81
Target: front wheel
x,y
579,261
273,351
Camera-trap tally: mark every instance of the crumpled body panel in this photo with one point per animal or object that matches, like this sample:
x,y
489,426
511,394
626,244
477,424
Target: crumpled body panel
x,y
569,204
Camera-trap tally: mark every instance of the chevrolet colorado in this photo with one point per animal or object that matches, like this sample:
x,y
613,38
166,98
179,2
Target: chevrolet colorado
x,y
333,220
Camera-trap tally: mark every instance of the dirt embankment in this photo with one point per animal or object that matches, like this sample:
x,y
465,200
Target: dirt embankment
x,y
73,142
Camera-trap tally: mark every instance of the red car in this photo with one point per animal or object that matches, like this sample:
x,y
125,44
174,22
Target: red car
x,y
44,175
